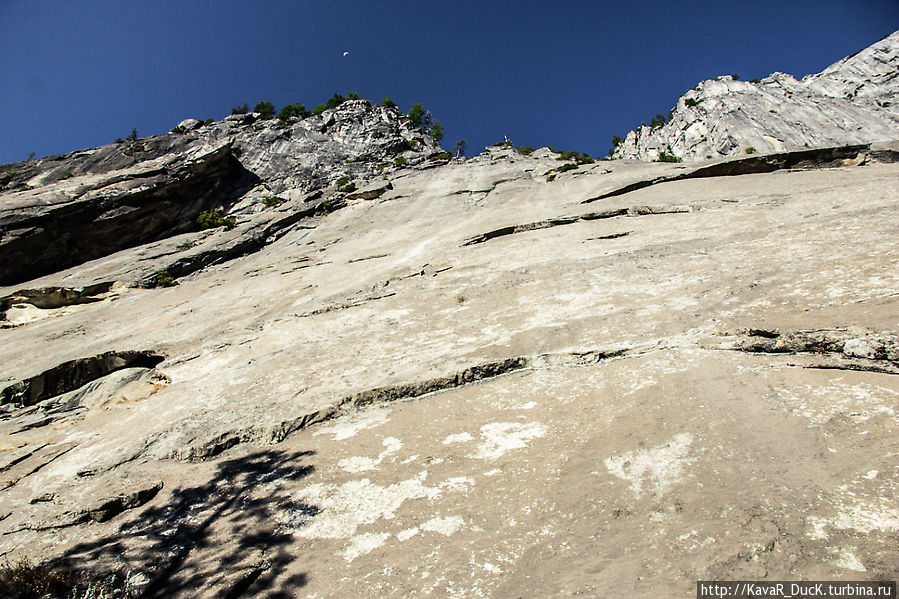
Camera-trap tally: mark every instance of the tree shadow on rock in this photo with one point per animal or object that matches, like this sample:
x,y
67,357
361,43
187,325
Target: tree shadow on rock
x,y
217,539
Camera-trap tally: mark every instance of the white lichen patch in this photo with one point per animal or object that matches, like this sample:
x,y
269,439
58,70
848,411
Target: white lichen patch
x,y
344,508
407,533
860,506
458,438
501,437
848,560
364,543
329,511
445,526
659,466
349,427
358,464
859,516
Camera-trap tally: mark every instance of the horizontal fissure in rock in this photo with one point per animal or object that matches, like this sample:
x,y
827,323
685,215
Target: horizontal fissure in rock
x,y
568,220
214,446
803,159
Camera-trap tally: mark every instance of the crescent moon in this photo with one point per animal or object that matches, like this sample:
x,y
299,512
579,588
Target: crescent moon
x,y
345,53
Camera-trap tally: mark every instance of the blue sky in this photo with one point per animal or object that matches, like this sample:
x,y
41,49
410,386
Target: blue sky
x,y
77,74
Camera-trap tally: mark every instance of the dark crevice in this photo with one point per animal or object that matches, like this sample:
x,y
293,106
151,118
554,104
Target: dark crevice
x,y
73,233
469,375
854,366
610,236
111,508
803,159
567,220
71,375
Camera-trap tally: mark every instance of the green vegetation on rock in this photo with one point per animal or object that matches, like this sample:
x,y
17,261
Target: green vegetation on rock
x,y
416,115
293,111
578,157
666,157
213,219
165,279
266,110
437,131
335,101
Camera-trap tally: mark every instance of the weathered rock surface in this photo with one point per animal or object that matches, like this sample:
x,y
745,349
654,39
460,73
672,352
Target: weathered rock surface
x,y
465,380
853,101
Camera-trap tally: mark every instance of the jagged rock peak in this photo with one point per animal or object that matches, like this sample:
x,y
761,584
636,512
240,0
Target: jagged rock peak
x,y
852,101
354,139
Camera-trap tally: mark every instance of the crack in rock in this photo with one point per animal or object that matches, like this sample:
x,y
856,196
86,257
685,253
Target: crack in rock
x,y
803,159
212,447
568,220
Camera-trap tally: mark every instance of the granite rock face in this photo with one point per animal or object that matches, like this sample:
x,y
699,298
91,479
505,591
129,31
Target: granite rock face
x,y
454,378
853,101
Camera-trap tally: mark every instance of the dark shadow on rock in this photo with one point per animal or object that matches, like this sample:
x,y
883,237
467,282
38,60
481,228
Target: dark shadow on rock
x,y
167,202
218,539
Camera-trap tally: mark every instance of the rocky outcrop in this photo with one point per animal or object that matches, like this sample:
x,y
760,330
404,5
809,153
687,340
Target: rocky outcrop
x,y
853,101
49,231
63,211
